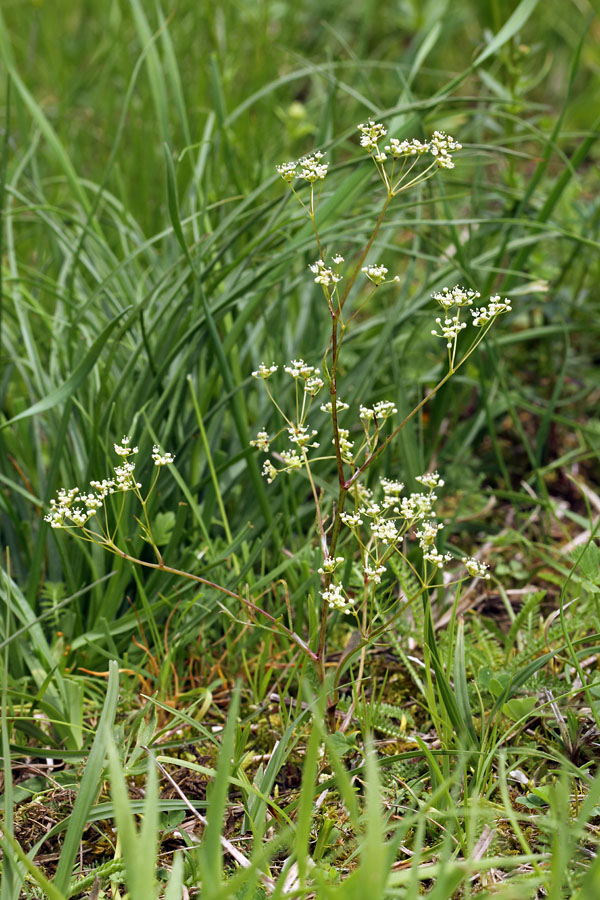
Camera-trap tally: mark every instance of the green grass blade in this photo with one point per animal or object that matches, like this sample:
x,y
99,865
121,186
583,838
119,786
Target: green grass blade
x,y
139,850
211,849
74,381
508,30
90,783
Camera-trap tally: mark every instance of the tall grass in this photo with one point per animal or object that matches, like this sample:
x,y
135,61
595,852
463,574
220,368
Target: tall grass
x,y
129,132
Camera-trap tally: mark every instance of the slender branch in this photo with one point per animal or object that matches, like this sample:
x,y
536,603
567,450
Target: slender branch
x,y
217,587
365,252
399,428
317,505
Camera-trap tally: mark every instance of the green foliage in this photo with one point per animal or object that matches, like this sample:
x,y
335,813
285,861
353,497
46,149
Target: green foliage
x,y
150,261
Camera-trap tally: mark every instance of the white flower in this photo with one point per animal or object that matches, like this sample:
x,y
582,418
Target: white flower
x,y
495,307
371,509
262,441
345,445
78,516
363,493
428,533
63,513
291,459
475,568
313,385
383,409
298,369
352,520
269,471
417,506
161,459
449,329
370,134
385,531
300,435
456,296
324,275
441,146
124,480
287,171
311,167
375,273
104,487
328,407
93,503
330,564
334,595
391,487
337,259
374,573
406,148
430,480
123,449
264,371
438,559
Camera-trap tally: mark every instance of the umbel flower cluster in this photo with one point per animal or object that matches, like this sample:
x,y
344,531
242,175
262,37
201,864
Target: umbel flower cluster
x,y
388,521
440,146
75,508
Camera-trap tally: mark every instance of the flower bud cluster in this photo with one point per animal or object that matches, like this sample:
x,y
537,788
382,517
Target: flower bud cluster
x,y
375,273
161,459
313,385
300,435
328,407
393,517
475,568
440,146
323,274
370,134
458,297
373,573
262,441
269,471
450,328
352,520
430,480
74,508
264,372
413,147
292,460
486,314
381,411
63,511
299,369
336,599
309,168
310,374
346,445
123,449
330,564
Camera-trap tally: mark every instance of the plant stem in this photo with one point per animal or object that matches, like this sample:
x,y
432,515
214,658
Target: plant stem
x,y
217,587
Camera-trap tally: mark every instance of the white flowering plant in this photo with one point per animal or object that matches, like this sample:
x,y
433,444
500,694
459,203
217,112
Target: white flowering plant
x,y
365,526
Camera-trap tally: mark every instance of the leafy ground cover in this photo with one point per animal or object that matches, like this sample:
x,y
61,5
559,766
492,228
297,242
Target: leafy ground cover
x,y
164,738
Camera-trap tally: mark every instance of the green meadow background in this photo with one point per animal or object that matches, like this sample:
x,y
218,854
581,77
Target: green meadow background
x,y
151,259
